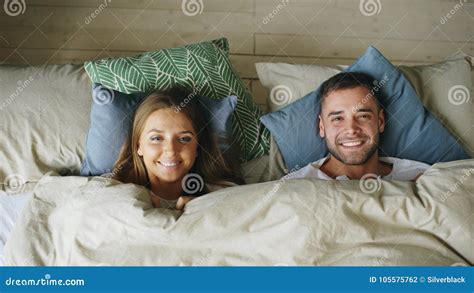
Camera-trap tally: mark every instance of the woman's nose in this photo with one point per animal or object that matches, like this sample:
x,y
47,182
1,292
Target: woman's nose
x,y
170,147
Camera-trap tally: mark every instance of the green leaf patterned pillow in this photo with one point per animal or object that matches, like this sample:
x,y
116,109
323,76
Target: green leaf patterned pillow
x,y
204,68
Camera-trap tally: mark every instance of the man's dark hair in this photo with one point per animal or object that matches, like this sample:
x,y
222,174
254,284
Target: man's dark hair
x,y
347,80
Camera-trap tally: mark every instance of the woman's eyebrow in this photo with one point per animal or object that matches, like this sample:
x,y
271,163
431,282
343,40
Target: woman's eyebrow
x,y
186,131
154,130
161,131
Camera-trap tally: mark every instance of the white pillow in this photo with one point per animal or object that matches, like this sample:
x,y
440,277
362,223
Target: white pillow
x,y
44,114
287,83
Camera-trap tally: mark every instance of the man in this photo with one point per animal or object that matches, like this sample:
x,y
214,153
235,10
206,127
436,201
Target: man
x,y
350,122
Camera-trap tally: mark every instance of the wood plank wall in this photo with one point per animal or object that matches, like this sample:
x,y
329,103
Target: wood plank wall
x,y
324,32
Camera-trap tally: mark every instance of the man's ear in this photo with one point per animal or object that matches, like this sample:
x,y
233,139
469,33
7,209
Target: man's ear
x,y
322,133
381,121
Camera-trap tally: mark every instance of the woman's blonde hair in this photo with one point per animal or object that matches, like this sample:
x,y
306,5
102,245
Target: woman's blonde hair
x,y
210,164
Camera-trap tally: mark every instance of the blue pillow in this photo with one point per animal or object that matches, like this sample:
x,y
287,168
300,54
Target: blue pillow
x,y
411,131
112,117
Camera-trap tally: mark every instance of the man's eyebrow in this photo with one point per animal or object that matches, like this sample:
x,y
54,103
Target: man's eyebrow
x,y
334,113
365,110
181,132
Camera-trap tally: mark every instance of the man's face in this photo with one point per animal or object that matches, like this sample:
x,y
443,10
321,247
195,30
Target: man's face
x,y
350,123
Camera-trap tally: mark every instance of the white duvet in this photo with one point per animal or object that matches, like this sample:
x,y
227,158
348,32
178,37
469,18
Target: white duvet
x,y
97,221
10,208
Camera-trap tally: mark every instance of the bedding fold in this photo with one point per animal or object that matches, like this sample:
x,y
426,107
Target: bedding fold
x,y
79,221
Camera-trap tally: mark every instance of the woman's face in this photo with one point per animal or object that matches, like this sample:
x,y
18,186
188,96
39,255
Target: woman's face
x,y
168,145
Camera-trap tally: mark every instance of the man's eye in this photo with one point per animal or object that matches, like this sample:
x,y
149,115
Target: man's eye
x,y
336,119
365,116
185,139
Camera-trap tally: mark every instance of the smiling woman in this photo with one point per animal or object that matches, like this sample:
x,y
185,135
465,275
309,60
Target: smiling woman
x,y
173,153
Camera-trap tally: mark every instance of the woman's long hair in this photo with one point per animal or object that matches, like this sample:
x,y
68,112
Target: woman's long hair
x,y
210,164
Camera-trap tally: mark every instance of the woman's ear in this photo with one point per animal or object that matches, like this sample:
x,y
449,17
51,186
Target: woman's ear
x,y
140,153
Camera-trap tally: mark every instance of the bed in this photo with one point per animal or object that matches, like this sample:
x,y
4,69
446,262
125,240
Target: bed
x,y
53,216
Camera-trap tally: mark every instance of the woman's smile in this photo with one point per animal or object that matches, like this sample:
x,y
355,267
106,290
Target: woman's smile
x,y
168,164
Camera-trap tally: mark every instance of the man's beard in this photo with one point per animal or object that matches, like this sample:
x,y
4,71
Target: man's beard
x,y
357,159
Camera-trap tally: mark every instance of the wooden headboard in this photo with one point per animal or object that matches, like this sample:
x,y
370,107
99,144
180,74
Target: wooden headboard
x,y
292,31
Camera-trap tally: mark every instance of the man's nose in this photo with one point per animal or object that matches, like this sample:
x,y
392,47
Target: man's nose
x,y
352,126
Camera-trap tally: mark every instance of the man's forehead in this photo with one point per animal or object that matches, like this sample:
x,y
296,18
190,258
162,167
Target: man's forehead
x,y
354,98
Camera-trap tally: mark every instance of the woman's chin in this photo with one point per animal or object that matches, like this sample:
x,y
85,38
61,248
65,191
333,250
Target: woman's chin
x,y
170,176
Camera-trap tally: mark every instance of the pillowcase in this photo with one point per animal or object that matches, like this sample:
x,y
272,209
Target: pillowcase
x,y
444,89
266,168
431,82
411,132
205,67
287,83
44,117
112,117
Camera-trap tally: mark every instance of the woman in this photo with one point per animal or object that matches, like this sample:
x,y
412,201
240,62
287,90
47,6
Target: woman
x,y
171,151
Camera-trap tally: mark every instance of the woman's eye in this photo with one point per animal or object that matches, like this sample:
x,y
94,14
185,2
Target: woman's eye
x,y
155,138
185,139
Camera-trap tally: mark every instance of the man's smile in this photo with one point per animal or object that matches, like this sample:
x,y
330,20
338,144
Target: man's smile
x,y
352,143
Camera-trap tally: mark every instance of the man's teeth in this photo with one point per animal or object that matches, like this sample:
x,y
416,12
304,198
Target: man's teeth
x,y
351,143
169,164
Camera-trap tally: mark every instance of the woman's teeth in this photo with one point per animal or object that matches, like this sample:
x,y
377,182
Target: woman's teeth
x,y
169,164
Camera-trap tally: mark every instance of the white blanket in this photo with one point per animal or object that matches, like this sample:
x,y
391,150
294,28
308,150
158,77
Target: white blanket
x,y
10,208
97,221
